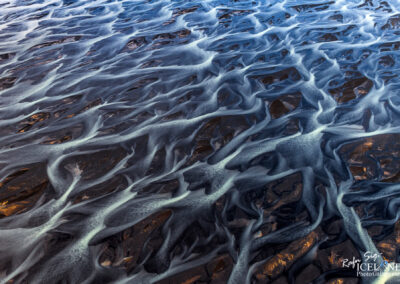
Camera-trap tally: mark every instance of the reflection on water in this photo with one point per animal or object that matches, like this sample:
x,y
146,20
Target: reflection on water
x,y
197,142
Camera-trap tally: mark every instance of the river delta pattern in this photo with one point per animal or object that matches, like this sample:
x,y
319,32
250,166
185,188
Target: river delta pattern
x,y
198,141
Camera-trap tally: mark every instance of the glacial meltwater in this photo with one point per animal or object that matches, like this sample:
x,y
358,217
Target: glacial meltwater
x,y
208,141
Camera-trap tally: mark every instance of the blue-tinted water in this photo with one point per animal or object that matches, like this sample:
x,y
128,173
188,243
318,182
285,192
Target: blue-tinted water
x,y
198,141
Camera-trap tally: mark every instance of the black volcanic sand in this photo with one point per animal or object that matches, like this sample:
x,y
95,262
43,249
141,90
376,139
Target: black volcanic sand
x,y
198,142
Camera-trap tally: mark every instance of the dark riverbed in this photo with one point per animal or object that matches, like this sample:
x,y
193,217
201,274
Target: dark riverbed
x,y
198,141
